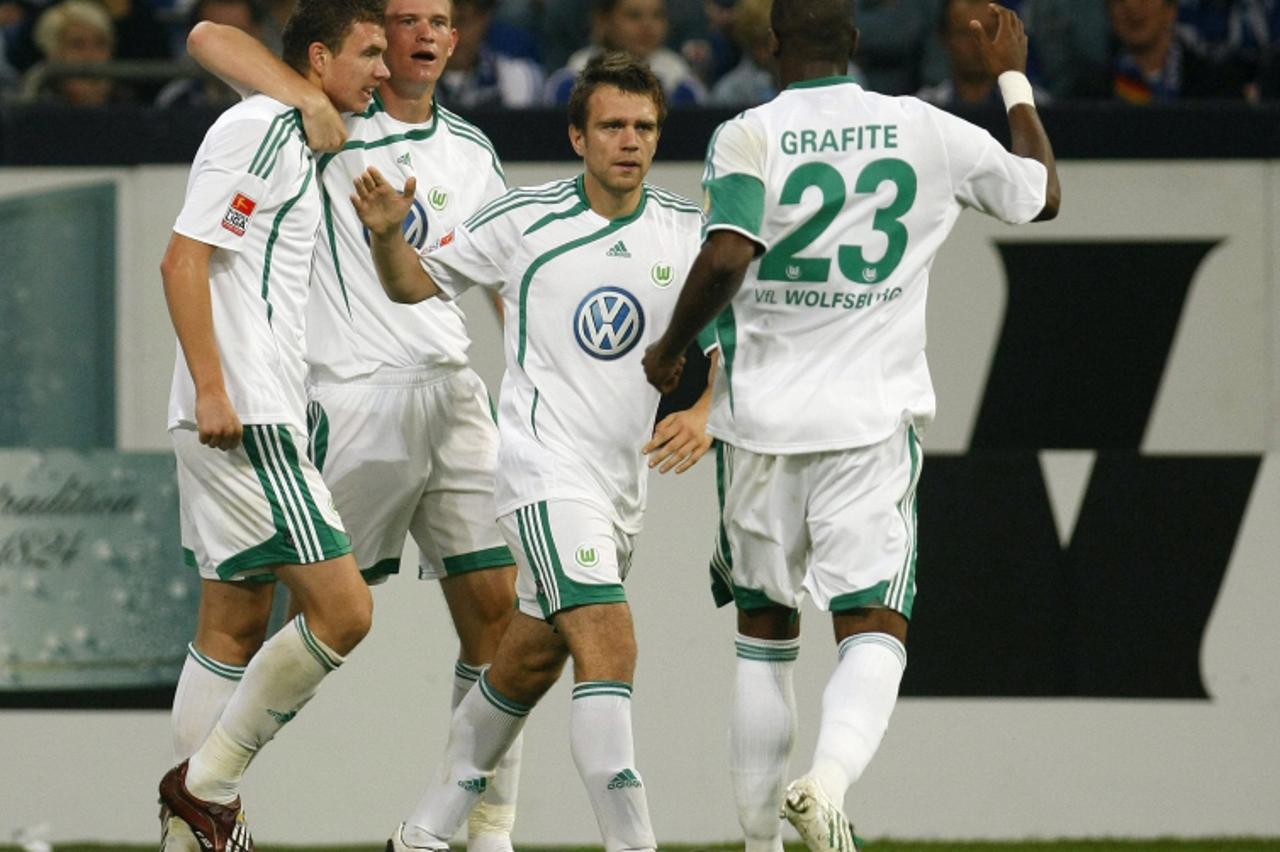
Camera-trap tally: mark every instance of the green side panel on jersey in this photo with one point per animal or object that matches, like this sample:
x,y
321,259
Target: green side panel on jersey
x,y
58,332
737,200
479,560
727,334
275,235
547,256
707,337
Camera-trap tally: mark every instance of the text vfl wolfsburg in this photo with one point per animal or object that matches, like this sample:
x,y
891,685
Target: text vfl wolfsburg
x,y
828,299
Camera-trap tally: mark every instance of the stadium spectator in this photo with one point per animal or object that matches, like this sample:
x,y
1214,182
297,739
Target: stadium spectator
x,y
754,79
139,33
638,27
1153,61
79,31
207,90
478,74
1069,37
970,83
895,34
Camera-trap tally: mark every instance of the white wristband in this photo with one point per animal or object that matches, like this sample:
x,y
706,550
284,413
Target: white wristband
x,y
1015,88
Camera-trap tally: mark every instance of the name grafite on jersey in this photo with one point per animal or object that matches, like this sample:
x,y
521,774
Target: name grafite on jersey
x,y
608,323
415,224
828,139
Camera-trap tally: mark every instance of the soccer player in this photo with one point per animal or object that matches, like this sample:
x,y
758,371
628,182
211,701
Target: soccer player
x,y
401,425
253,507
584,268
826,208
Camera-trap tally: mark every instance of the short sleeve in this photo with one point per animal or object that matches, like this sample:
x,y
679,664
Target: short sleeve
x,y
707,339
733,180
987,177
463,259
226,193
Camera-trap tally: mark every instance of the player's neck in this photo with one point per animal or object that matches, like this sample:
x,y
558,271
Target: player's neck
x,y
412,106
608,203
799,69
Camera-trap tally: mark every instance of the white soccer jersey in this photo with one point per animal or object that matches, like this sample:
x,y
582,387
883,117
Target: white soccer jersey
x,y
252,195
353,328
584,297
849,195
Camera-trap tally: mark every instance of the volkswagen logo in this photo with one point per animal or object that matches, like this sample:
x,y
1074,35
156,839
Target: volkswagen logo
x,y
608,323
415,226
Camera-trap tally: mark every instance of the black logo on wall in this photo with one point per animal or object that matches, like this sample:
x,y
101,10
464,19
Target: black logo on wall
x,y
1005,609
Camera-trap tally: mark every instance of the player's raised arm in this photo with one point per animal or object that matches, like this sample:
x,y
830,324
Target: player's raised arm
x,y
246,65
382,209
1005,55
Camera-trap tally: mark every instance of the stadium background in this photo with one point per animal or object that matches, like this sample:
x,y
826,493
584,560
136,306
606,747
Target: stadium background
x,y
1095,650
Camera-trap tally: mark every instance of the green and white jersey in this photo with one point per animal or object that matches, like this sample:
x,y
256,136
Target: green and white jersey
x,y
352,327
849,194
584,297
252,195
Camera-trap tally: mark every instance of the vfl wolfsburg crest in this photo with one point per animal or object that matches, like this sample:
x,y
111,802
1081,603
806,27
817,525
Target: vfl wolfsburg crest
x,y
438,198
662,274
608,323
587,556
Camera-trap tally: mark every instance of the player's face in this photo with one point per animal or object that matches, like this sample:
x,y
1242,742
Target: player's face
x,y
420,40
350,75
619,140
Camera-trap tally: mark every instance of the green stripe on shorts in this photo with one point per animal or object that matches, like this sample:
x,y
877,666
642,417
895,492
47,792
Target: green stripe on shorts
x,y
479,560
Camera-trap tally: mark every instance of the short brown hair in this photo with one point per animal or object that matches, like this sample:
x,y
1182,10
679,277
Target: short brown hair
x,y
622,71
327,22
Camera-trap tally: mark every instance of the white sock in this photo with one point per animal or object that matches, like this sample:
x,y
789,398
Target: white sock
x,y
604,752
483,727
279,680
491,820
856,706
204,688
762,730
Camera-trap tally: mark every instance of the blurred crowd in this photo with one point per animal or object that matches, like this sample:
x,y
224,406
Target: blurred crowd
x,y
525,53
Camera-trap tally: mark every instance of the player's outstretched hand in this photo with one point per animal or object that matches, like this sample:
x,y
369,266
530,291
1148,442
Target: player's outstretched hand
x,y
1007,49
679,440
324,127
662,372
217,422
380,206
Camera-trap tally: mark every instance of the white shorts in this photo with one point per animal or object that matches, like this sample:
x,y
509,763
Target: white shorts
x,y
246,510
839,526
411,451
569,553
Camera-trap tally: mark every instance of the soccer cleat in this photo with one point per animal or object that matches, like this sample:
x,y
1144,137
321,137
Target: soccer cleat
x,y
215,827
175,835
397,843
821,823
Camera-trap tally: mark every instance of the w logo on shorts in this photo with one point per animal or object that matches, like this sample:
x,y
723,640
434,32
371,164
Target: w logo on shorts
x,y
608,323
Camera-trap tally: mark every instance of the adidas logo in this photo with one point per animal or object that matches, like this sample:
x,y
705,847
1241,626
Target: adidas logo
x,y
474,785
403,159
282,718
625,778
619,250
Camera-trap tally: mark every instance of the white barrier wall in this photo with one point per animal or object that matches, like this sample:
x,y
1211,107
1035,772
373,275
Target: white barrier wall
x,y
351,765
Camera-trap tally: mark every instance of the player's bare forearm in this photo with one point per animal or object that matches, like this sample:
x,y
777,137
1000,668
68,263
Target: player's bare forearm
x,y
185,272
681,439
245,64
713,281
400,269
1029,139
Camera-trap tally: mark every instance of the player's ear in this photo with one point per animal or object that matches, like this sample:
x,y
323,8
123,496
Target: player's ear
x,y
319,57
575,139
453,41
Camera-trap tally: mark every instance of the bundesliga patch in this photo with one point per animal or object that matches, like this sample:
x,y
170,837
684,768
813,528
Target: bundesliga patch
x,y
238,214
